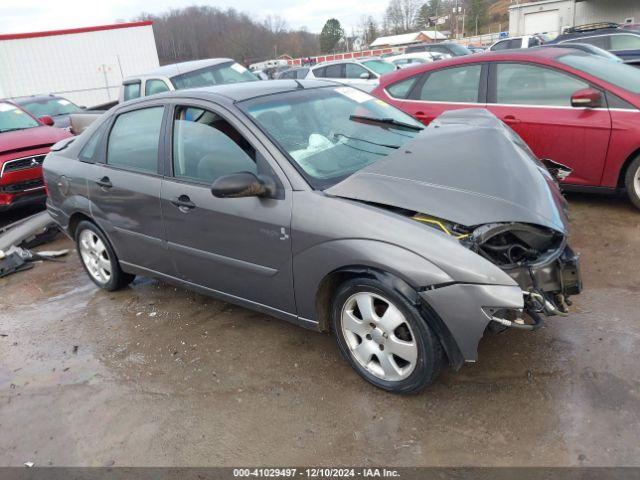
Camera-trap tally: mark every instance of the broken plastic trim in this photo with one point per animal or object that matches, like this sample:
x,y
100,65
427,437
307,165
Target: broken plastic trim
x,y
557,170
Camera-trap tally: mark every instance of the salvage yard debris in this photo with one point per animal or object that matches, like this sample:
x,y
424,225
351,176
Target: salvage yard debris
x,y
17,239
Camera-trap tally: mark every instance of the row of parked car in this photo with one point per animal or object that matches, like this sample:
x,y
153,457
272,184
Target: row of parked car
x,y
449,223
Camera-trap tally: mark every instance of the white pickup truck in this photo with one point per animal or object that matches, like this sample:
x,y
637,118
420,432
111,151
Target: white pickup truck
x,y
177,76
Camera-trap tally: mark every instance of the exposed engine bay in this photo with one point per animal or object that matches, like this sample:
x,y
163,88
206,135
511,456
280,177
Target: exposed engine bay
x,y
537,258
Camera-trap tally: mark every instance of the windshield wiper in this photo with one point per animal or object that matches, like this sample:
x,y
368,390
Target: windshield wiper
x,y
385,121
12,129
365,141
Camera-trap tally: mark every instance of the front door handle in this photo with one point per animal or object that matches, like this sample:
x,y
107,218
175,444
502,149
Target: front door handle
x,y
184,203
510,119
104,183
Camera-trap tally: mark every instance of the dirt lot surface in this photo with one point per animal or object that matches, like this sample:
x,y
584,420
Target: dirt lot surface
x,y
155,375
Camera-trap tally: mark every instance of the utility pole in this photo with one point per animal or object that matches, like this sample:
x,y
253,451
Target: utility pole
x,y
464,11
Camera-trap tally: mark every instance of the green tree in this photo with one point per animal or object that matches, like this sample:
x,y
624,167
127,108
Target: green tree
x,y
422,21
331,34
476,15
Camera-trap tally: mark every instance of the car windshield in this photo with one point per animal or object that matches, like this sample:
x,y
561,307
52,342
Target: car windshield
x,y
229,72
619,74
14,118
380,66
330,133
459,49
52,106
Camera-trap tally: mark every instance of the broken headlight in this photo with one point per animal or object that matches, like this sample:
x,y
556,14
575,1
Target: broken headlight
x,y
511,244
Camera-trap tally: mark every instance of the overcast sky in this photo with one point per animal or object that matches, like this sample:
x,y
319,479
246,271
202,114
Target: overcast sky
x,y
18,16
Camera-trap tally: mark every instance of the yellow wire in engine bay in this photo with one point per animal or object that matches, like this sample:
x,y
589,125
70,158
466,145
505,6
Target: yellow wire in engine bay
x,y
420,217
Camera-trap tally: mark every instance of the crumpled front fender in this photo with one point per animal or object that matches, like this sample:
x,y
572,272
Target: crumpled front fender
x,y
459,306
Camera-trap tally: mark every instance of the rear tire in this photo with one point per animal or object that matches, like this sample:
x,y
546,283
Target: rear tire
x,y
98,258
632,182
384,337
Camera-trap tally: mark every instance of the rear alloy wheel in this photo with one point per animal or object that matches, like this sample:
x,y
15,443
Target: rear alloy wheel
x,y
99,259
95,256
632,182
384,337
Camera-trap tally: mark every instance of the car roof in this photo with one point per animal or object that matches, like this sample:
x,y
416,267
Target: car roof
x,y
237,92
595,32
348,60
31,98
182,67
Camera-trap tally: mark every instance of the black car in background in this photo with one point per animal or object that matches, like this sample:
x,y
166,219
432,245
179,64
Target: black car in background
x,y
447,48
623,42
58,108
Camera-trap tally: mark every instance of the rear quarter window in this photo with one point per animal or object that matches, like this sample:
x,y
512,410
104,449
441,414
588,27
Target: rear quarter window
x,y
402,88
90,151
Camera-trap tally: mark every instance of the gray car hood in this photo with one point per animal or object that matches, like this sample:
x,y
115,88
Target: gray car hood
x,y
466,167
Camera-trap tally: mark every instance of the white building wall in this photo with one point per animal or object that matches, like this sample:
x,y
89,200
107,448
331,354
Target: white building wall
x,y
564,17
86,67
618,11
572,13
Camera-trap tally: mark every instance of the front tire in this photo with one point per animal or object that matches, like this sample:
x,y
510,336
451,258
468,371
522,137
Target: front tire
x,y
384,337
98,258
632,182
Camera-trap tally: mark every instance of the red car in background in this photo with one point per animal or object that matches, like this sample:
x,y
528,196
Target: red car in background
x,y
569,106
24,142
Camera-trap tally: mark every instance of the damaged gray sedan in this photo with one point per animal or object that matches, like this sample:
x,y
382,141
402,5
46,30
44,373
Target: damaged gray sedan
x,y
323,206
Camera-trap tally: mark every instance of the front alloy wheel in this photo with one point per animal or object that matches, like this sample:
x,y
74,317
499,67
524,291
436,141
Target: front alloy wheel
x,y
385,337
632,182
378,336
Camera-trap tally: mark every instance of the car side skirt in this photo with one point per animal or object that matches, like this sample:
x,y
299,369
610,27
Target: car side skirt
x,y
259,307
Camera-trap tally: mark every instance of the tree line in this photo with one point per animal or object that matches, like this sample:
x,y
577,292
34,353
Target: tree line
x,y
204,31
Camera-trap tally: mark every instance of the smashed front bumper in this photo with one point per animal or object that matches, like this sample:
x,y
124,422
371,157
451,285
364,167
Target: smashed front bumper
x,y
464,311
554,281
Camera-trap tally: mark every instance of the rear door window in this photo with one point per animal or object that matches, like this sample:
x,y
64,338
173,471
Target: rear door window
x,y
206,146
522,84
131,90
601,41
134,139
353,70
459,84
334,71
503,45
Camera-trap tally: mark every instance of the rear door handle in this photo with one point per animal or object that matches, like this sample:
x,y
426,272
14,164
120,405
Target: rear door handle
x,y
184,203
104,183
510,119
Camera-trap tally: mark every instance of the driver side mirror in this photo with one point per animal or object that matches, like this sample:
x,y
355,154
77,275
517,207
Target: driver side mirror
x,y
587,97
47,120
365,76
243,184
